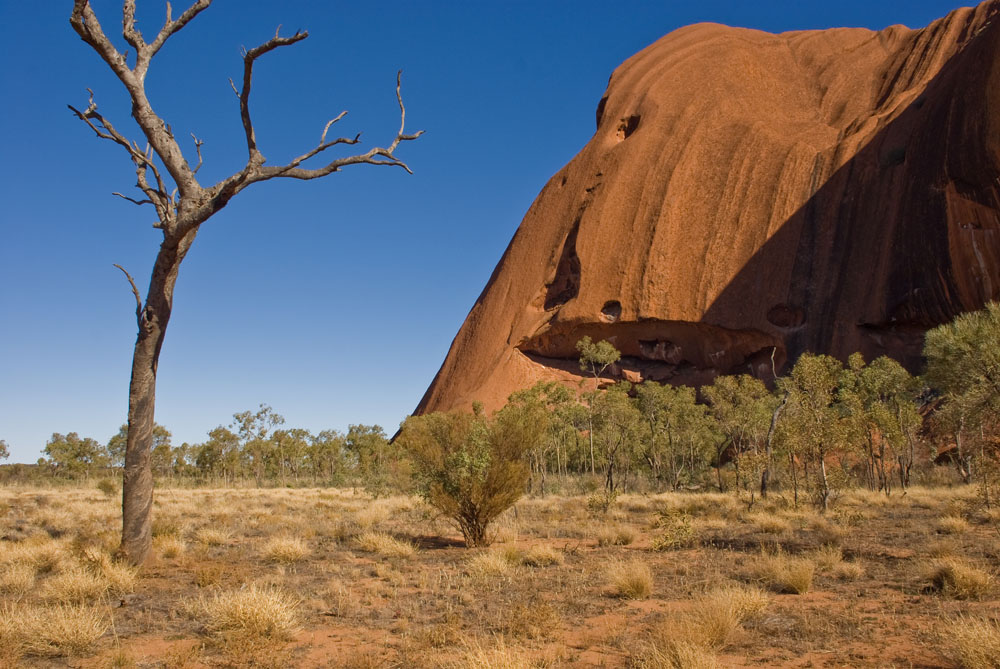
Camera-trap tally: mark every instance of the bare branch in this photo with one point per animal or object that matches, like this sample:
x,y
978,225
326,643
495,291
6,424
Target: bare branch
x,y
170,27
375,156
129,31
135,291
254,157
326,128
197,147
132,200
142,159
86,25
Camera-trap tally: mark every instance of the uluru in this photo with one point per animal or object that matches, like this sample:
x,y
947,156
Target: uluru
x,y
749,196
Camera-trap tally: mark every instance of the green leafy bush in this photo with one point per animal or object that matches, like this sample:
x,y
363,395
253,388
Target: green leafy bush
x,y
468,467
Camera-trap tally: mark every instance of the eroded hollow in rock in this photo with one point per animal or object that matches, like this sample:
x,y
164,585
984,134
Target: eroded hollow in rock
x,y
664,351
627,127
611,311
566,284
786,316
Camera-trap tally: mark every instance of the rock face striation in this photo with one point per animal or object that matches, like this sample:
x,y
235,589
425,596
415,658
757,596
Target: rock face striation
x,y
750,196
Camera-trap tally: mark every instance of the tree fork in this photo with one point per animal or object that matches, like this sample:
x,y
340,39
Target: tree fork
x,y
180,211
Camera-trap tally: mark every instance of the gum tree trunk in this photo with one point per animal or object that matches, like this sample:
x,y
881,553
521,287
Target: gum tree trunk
x,y
137,485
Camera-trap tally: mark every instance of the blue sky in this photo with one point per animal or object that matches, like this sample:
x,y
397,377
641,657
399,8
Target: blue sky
x,y
334,301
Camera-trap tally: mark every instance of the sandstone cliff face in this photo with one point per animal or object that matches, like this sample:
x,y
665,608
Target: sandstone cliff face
x,y
749,196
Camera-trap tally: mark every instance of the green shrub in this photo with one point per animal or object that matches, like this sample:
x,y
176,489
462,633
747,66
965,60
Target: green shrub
x,y
468,467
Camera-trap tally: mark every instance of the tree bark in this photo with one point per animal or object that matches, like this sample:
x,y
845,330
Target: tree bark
x,y
137,482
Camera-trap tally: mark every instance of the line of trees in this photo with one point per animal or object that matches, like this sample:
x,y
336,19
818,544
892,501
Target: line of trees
x,y
824,425
255,447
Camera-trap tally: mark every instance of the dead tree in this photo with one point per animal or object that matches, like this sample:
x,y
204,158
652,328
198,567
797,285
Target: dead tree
x,y
168,183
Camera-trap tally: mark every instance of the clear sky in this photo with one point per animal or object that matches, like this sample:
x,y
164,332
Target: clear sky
x,y
334,301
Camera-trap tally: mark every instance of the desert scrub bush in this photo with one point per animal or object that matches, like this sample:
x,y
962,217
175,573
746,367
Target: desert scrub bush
x,y
674,531
631,580
974,643
384,545
614,535
784,574
957,578
600,502
471,468
51,631
542,556
254,613
952,525
285,550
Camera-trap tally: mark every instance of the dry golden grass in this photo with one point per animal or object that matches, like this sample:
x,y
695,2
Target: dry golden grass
x,y
827,557
769,523
51,630
848,571
952,525
17,579
974,643
285,550
614,535
73,586
493,563
542,556
44,556
631,580
253,613
385,545
674,653
212,536
169,546
958,578
499,656
784,574
443,597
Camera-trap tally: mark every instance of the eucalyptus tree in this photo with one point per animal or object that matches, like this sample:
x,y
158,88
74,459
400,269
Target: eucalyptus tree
x,y
168,182
595,357
680,434
963,364
880,399
543,409
743,409
814,423
72,455
616,433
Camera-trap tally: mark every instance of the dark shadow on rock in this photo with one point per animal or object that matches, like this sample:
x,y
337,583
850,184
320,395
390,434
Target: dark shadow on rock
x,y
902,237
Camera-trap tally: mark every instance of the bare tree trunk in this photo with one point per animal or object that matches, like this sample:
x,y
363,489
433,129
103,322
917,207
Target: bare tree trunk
x,y
137,479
